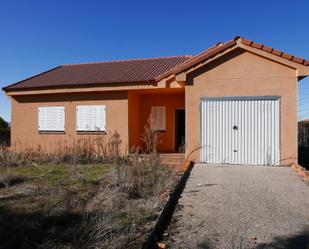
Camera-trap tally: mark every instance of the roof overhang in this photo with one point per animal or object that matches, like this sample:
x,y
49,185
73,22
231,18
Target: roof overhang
x,y
164,84
302,70
180,72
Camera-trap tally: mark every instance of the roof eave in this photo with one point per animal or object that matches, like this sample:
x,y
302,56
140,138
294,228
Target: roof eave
x,y
261,50
151,84
18,82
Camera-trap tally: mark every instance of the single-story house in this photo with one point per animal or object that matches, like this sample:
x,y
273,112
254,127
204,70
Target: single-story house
x,y
234,103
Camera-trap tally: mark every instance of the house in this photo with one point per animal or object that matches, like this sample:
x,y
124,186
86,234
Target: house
x,y
234,103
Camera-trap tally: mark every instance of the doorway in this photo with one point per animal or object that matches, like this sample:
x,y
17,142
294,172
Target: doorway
x,y
180,130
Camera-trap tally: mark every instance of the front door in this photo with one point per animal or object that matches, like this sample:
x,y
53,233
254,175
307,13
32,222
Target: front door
x,y
179,130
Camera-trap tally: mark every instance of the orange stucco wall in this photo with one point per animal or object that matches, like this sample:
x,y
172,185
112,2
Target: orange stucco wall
x,y
244,74
134,119
25,119
141,104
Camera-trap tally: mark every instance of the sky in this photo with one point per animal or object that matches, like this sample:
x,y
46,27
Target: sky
x,y
36,35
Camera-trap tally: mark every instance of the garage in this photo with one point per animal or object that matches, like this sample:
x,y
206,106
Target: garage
x,y
240,130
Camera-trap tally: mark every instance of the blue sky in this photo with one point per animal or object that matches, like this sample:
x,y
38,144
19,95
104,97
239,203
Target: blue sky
x,y
37,35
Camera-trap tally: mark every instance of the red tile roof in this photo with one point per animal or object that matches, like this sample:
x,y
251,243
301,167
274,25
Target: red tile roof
x,y
136,71
223,46
273,51
203,56
88,74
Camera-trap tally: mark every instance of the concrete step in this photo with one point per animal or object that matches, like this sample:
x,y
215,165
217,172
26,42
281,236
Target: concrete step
x,y
172,158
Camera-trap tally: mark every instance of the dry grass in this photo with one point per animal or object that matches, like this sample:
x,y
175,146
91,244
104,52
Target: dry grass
x,y
79,197
97,149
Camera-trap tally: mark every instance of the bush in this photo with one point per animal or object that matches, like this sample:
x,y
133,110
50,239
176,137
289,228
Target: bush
x,y
4,125
81,151
141,176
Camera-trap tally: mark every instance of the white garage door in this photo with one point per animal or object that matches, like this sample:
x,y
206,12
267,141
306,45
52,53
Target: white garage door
x,y
240,130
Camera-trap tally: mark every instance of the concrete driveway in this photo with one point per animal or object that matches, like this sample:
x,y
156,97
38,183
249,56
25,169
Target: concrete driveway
x,y
230,207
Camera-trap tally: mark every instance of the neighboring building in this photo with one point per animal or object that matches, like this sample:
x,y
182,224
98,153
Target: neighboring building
x,y
303,143
236,102
303,133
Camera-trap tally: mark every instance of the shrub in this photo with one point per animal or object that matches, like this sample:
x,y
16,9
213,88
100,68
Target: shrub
x,y
81,151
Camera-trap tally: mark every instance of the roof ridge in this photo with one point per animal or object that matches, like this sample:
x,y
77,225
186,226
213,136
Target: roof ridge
x,y
125,60
205,54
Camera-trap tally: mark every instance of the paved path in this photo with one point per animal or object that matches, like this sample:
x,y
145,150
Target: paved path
x,y
238,207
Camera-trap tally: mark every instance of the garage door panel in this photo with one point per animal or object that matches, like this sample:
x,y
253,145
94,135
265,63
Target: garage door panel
x,y
243,130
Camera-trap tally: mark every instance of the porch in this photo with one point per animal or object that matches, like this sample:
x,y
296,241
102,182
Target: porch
x,y
170,104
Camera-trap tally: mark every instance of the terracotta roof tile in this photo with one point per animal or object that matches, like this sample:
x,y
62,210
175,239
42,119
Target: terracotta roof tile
x,y
267,49
246,42
287,56
276,52
273,51
257,45
112,72
298,60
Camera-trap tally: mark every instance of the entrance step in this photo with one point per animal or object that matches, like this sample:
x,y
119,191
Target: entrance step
x,y
172,158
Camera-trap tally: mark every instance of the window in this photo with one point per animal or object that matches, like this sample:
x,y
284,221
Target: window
x,y
90,118
158,118
51,118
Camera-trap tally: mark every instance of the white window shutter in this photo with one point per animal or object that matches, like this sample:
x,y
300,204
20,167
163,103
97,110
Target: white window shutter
x,y
51,118
79,120
99,113
87,118
42,118
103,117
60,118
90,118
82,113
48,119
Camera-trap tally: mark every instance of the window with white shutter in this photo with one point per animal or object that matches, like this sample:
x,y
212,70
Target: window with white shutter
x,y
90,118
158,118
51,118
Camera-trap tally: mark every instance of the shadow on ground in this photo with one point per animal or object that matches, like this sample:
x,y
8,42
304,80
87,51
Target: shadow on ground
x,y
297,241
37,230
